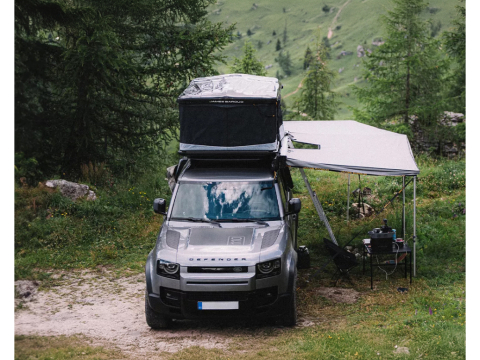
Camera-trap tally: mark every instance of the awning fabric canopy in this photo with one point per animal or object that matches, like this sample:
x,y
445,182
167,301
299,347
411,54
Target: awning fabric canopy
x,y
352,147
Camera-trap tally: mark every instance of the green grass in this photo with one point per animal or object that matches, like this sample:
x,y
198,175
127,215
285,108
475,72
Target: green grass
x,y
119,230
359,24
60,348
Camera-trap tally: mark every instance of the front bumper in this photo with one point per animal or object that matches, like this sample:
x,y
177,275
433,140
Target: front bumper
x,y
261,303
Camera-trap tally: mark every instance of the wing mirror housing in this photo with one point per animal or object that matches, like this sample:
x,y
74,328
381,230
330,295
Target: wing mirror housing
x,y
160,206
294,206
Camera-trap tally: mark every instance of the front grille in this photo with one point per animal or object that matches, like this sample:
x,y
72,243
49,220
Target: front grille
x,y
218,296
217,282
219,270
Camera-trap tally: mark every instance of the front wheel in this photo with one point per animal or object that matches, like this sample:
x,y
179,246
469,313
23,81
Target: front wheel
x,y
290,318
154,319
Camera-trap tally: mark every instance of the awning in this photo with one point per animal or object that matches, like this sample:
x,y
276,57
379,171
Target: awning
x,y
351,147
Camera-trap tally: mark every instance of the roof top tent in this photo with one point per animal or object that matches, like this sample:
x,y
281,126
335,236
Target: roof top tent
x,y
231,114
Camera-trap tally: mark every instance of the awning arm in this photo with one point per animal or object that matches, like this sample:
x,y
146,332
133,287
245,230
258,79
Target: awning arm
x,y
287,143
318,207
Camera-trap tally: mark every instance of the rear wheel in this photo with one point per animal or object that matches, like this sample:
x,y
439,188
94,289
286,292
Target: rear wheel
x,y
154,319
290,318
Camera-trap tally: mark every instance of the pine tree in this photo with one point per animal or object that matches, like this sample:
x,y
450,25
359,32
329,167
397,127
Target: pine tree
x,y
285,62
317,100
455,47
404,74
102,80
249,63
279,45
307,59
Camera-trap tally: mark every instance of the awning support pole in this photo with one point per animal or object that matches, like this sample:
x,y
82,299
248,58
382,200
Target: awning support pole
x,y
348,200
403,209
414,226
318,206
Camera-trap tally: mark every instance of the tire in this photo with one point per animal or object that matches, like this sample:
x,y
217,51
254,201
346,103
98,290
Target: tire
x,y
290,318
154,319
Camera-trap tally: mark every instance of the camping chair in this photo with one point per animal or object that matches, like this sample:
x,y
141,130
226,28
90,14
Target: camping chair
x,y
344,260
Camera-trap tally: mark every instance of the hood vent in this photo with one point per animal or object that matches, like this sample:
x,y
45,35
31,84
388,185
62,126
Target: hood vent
x,y
269,238
173,238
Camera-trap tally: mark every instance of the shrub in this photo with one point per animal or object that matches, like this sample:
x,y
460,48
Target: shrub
x,y
27,170
96,174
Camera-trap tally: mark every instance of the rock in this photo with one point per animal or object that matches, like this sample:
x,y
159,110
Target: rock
x,y
377,42
72,190
401,350
268,66
340,70
422,141
349,248
345,53
25,291
451,119
360,51
368,209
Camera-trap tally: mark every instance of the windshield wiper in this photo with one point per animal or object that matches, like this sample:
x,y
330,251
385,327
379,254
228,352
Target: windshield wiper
x,y
261,222
214,222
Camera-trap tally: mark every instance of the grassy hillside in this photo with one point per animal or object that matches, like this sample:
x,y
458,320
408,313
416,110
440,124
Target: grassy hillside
x,y
353,23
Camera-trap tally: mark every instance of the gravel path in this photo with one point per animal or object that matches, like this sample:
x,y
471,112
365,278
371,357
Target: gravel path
x,y
110,311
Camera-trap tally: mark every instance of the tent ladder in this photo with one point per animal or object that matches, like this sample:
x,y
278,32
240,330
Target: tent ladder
x,y
318,206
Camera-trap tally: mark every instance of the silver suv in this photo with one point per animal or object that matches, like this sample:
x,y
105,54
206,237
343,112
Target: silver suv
x,y
227,247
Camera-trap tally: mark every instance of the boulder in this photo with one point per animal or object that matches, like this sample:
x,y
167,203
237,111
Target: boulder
x,y
360,51
401,350
72,190
368,210
451,119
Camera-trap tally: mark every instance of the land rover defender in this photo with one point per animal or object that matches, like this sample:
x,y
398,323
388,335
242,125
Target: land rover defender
x,y
227,246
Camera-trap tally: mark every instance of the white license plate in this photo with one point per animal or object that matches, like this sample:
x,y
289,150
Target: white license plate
x,y
217,305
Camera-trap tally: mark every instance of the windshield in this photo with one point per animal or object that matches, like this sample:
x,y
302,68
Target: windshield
x,y
226,200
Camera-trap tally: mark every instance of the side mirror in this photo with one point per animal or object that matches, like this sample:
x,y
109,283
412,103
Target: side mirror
x,y
294,206
160,206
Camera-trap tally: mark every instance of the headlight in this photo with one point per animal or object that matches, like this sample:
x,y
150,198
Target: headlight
x,y
168,269
268,268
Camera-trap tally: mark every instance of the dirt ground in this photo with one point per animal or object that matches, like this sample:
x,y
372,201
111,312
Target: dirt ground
x,y
110,311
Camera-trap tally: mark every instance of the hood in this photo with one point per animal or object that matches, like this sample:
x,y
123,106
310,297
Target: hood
x,y
213,245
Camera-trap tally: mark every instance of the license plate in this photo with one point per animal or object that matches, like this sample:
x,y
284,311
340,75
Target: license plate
x,y
217,305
